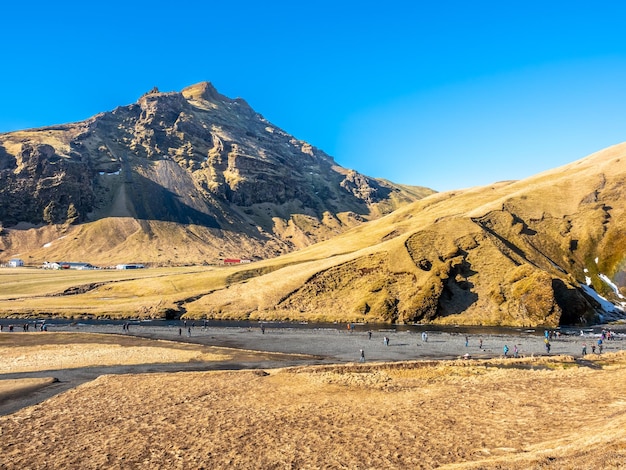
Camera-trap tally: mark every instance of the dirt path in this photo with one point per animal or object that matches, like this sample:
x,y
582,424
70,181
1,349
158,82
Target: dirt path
x,y
339,345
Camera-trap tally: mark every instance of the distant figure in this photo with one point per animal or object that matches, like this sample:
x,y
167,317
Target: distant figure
x,y
369,335
480,343
424,336
362,359
548,347
593,348
515,351
584,349
180,331
189,331
386,341
262,329
600,346
506,350
466,341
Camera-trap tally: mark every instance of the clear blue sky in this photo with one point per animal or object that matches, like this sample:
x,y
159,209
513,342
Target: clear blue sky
x,y
444,94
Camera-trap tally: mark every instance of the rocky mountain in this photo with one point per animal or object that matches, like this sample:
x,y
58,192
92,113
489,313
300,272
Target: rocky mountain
x,y
177,178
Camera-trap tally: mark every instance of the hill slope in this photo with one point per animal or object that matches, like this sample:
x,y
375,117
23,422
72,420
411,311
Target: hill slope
x,y
533,252
176,178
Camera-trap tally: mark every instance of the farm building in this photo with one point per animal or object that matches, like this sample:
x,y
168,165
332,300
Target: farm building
x,y
16,263
129,266
235,261
67,265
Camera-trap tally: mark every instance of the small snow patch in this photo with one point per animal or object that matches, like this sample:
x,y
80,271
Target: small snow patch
x,y
611,312
611,285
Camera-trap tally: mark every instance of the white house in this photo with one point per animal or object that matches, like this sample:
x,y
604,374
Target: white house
x,y
16,263
129,266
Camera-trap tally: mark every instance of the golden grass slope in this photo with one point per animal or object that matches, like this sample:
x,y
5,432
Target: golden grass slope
x,y
527,413
512,253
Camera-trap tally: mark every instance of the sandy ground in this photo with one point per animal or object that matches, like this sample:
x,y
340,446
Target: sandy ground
x,y
397,410
340,345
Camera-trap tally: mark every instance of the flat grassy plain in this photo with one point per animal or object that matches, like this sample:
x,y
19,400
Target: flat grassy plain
x,y
139,293
541,412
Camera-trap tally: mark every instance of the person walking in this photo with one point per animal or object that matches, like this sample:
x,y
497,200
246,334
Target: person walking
x,y
362,358
506,351
584,349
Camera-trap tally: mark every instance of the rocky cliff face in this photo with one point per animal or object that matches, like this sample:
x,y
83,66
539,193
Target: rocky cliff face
x,y
195,158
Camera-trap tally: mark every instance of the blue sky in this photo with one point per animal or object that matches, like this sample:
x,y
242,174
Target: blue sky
x,y
441,94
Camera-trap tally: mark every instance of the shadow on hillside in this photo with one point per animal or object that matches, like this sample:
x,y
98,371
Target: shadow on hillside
x,y
151,201
574,306
457,295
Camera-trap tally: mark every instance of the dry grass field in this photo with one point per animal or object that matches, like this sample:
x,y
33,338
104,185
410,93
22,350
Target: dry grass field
x,y
493,414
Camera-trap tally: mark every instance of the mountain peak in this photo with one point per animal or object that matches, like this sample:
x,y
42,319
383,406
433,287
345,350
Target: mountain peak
x,y
203,91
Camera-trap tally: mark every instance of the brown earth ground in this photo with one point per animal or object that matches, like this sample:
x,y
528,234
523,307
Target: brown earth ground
x,y
562,411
